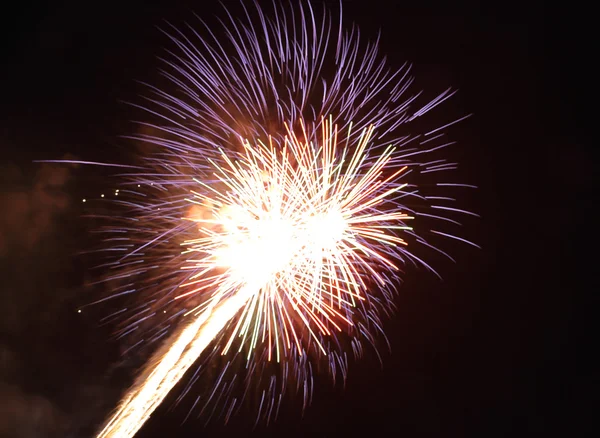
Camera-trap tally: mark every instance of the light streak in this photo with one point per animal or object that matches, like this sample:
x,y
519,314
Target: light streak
x,y
161,377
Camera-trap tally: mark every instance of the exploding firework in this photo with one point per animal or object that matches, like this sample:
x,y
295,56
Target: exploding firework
x,y
272,211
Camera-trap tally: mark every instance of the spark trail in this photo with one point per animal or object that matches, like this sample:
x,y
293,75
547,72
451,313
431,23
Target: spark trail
x,y
139,404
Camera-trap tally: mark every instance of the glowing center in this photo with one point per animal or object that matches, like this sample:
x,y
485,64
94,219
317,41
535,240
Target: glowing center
x,y
255,249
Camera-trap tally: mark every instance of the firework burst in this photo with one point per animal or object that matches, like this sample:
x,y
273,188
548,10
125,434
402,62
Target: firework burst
x,y
272,211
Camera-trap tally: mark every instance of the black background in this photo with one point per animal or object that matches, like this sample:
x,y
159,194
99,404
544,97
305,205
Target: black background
x,y
496,349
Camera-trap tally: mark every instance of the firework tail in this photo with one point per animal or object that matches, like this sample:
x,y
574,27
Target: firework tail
x,y
167,368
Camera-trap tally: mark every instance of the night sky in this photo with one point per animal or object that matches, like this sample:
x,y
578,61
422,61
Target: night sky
x,y
495,349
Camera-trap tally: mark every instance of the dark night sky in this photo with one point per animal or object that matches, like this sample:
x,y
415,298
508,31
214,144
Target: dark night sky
x,y
496,349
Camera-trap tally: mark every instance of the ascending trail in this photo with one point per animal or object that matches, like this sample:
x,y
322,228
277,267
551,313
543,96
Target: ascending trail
x,y
168,367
